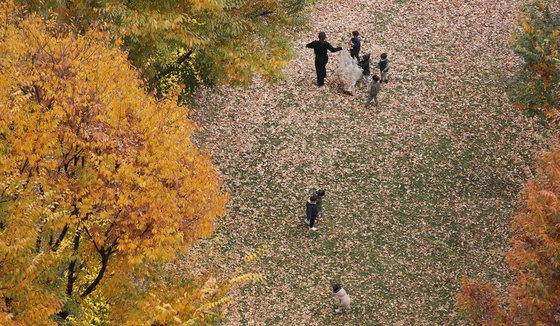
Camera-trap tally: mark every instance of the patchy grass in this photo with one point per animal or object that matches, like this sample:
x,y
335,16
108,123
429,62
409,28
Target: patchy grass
x,y
419,191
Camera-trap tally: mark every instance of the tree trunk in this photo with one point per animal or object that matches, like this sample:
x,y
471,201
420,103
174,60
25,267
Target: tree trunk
x,y
166,71
93,285
71,268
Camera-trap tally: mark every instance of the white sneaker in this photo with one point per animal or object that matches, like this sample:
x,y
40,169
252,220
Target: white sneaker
x,y
307,221
338,311
313,229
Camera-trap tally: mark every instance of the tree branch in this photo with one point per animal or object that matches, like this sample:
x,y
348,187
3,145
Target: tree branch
x,y
60,237
105,253
76,156
72,266
148,228
112,247
112,223
6,199
167,70
93,241
24,165
37,94
104,260
75,212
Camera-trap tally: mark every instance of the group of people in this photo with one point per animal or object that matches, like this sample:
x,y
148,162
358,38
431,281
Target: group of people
x,y
313,208
351,67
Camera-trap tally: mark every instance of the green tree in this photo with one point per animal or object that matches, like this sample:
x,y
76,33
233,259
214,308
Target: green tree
x,y
537,88
188,42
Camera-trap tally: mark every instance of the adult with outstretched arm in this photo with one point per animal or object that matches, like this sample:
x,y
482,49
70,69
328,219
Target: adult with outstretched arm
x,y
320,48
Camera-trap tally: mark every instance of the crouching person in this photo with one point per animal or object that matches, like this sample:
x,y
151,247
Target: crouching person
x,y
341,299
364,64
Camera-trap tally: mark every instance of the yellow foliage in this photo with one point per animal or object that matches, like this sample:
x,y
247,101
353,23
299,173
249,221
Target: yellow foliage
x,y
249,277
97,176
256,254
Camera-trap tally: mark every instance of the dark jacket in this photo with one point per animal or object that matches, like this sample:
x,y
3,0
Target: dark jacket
x,y
364,64
320,48
311,210
356,46
383,65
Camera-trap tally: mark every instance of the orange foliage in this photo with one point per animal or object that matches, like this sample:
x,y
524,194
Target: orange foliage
x,y
535,252
534,257
479,301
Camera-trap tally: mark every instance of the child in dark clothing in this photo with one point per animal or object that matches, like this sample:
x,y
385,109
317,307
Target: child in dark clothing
x,y
364,64
356,45
320,48
311,212
384,67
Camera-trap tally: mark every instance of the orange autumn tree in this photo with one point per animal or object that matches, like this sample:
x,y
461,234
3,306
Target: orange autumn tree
x,y
99,184
534,257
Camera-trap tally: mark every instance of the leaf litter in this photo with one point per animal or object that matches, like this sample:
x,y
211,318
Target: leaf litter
x,y
420,191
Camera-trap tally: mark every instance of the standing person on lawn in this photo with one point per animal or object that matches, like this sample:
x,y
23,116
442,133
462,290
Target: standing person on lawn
x,y
374,91
320,48
356,44
384,67
311,212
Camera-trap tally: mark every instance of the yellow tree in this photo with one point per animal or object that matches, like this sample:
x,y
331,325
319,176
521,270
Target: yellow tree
x,y
99,182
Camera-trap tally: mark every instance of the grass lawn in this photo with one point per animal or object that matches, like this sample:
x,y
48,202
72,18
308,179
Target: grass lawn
x,y
420,191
